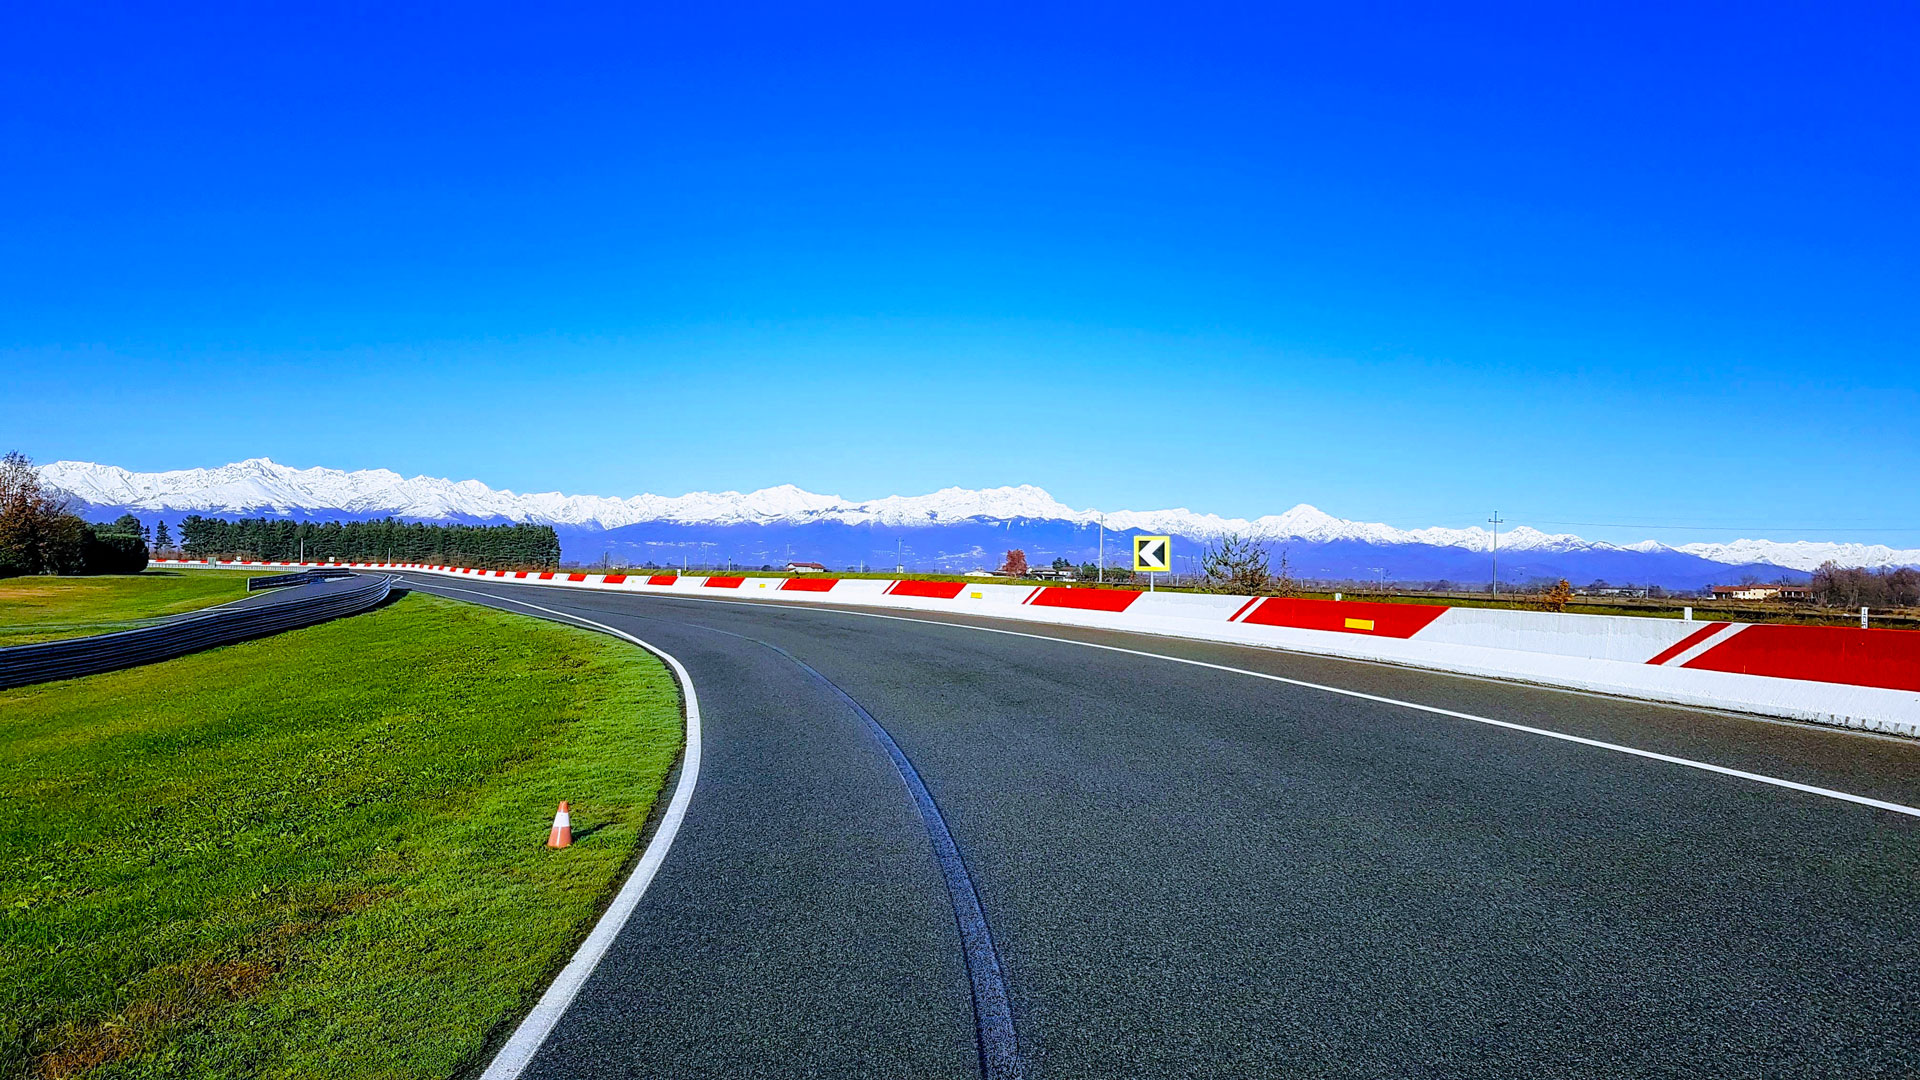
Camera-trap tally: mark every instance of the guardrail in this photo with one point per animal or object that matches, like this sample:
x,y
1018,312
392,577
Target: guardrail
x,y
67,658
275,581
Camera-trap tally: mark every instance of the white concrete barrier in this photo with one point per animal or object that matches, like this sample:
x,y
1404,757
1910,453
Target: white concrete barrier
x,y
1868,679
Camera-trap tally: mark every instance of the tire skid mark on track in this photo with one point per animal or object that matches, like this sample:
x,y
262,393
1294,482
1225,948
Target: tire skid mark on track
x,y
993,1015
992,1009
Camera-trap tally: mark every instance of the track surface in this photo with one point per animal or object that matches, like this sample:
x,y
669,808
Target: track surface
x,y
1189,872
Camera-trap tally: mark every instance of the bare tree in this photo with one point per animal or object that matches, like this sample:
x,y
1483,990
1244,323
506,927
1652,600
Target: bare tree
x,y
1854,586
37,534
1283,579
1558,597
1903,587
1236,565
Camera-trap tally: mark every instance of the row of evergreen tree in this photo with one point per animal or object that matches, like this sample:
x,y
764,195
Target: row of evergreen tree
x,y
382,540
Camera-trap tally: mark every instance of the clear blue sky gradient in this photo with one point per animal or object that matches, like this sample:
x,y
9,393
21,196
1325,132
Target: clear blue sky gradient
x,y
1646,269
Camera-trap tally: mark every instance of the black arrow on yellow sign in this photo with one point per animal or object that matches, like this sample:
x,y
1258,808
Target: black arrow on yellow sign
x,y
1153,554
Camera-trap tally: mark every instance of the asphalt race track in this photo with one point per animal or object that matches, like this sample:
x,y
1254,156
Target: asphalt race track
x,y
1190,872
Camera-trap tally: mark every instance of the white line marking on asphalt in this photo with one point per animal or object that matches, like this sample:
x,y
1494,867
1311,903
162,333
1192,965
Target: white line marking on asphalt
x,y
1704,766
514,1057
1810,789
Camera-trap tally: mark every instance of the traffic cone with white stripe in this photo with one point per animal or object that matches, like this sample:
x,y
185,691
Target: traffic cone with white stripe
x,y
562,833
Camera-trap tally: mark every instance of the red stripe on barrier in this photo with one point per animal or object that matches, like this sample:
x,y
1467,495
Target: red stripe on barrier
x,y
1235,617
663,579
1028,599
546,575
615,579
931,590
1889,659
1084,599
1346,616
519,573
576,577
1688,642
809,584
724,582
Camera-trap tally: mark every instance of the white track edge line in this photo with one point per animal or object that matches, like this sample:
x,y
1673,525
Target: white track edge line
x,y
526,1039
1705,766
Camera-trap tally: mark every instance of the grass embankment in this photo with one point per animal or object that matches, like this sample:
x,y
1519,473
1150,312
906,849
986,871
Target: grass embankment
x,y
318,854
42,608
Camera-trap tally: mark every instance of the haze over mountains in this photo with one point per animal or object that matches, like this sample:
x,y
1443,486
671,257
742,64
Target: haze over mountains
x,y
951,529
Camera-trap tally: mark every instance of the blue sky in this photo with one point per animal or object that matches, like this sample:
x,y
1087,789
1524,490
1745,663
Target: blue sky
x,y
1639,269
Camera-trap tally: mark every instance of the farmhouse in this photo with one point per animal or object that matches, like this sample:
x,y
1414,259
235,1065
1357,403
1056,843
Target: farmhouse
x,y
1763,592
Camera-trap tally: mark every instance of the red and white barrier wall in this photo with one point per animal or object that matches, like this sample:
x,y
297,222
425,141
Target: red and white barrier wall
x,y
1857,678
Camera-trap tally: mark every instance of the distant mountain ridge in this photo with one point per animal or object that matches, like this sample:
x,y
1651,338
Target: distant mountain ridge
x,y
946,528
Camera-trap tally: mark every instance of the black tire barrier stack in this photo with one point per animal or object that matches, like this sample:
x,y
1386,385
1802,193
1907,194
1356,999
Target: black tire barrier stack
x,y
316,602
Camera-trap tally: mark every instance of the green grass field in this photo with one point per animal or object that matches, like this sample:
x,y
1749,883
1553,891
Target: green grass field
x,y
318,854
41,608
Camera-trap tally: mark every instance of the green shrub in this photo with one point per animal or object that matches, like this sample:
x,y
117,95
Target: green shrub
x,y
104,551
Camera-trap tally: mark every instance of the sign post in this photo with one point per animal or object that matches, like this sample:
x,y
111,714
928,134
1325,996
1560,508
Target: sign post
x,y
1152,555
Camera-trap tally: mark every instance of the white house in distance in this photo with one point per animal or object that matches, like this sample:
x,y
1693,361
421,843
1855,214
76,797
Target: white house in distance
x,y
1762,592
806,568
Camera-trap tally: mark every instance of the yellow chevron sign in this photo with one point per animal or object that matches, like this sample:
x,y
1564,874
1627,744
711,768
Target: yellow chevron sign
x,y
1152,554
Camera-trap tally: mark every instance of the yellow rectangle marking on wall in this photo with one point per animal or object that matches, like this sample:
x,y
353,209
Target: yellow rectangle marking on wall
x,y
975,595
1359,624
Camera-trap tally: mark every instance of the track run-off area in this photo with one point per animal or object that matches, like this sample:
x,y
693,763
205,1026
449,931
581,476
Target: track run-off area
x,y
1193,859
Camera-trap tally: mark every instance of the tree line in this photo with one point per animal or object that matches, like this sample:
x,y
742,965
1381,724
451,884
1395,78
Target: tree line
x,y
1855,587
39,536
380,540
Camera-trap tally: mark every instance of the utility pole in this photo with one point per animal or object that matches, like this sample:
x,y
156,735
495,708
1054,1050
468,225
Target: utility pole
x,y
1495,520
1102,574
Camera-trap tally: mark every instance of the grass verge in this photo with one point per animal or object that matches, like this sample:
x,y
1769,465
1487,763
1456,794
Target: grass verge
x,y
318,854
41,608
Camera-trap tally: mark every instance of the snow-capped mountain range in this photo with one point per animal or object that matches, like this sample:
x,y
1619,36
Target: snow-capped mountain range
x,y
259,486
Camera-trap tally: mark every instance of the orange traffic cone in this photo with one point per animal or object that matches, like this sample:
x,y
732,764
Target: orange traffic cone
x,y
562,833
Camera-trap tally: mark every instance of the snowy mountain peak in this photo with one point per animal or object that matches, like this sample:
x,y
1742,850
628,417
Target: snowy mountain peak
x,y
263,486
